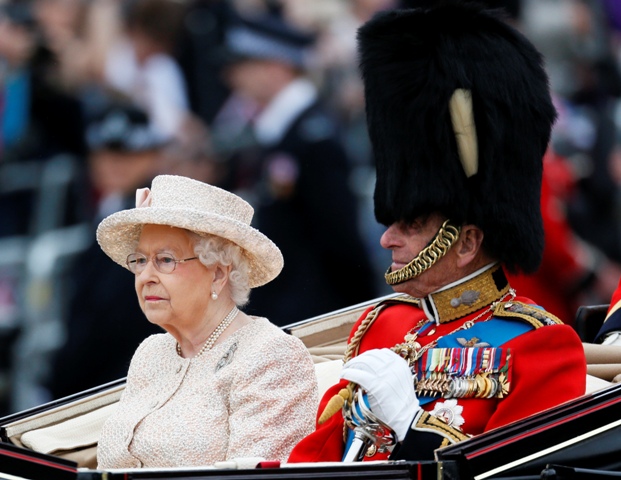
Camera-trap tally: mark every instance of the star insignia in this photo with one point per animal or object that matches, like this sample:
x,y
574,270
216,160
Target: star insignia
x,y
450,412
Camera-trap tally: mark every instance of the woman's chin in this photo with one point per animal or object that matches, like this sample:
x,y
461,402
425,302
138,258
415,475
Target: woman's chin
x,y
156,318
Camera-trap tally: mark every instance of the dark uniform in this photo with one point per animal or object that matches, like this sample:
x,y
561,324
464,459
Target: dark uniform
x,y
290,164
612,322
307,208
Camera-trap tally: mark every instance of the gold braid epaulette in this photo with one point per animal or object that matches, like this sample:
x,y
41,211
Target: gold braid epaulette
x,y
336,403
535,316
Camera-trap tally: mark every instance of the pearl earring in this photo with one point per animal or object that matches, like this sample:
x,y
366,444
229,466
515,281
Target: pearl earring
x,y
214,296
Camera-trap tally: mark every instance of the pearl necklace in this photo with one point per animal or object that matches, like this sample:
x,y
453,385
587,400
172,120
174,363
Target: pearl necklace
x,y
213,338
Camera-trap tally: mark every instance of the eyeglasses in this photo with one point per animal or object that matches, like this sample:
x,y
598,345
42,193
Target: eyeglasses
x,y
163,262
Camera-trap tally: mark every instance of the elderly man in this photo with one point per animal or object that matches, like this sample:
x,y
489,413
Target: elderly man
x,y
459,114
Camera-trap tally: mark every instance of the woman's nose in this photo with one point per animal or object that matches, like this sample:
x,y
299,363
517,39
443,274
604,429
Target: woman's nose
x,y
149,271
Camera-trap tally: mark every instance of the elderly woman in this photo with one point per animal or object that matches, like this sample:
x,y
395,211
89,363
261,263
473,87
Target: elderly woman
x,y
219,384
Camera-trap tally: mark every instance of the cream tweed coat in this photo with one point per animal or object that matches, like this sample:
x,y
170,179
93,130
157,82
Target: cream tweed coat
x,y
253,395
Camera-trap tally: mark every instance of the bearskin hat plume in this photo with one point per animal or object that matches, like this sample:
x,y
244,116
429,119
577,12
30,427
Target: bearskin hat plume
x,y
412,61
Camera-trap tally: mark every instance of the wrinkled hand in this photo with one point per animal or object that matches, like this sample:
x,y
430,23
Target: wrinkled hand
x,y
387,379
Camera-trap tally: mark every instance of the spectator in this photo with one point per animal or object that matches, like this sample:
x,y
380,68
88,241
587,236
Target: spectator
x,y
574,37
295,172
335,70
39,119
200,42
191,155
573,272
141,64
105,324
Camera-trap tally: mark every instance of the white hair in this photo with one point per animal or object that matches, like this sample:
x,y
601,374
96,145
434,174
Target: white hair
x,y
212,250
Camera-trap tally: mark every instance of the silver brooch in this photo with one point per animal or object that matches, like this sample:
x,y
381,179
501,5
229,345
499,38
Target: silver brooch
x,y
227,357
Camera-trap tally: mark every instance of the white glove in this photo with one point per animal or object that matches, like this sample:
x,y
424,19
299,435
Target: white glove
x,y
613,338
387,379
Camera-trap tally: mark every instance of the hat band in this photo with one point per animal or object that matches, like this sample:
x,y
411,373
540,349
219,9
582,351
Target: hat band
x,y
247,43
428,256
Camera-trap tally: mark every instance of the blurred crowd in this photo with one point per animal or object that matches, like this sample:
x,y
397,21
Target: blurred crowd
x,y
263,98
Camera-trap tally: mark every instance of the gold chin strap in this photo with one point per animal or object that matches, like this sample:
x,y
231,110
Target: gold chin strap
x,y
428,256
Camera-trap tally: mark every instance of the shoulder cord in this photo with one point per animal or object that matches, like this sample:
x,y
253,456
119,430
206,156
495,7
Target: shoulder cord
x,y
336,403
354,343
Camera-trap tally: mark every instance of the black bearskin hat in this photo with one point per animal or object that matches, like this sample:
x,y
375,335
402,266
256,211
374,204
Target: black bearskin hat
x,y
412,62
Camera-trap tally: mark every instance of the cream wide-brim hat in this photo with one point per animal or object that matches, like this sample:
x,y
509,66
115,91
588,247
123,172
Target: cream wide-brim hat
x,y
198,207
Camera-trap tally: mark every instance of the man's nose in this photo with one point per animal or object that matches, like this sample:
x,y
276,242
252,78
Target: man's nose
x,y
389,238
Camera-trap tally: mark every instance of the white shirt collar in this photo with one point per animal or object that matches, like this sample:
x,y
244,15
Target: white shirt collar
x,y
272,123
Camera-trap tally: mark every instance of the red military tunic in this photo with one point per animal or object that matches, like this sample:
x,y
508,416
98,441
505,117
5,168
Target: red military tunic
x,y
547,367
